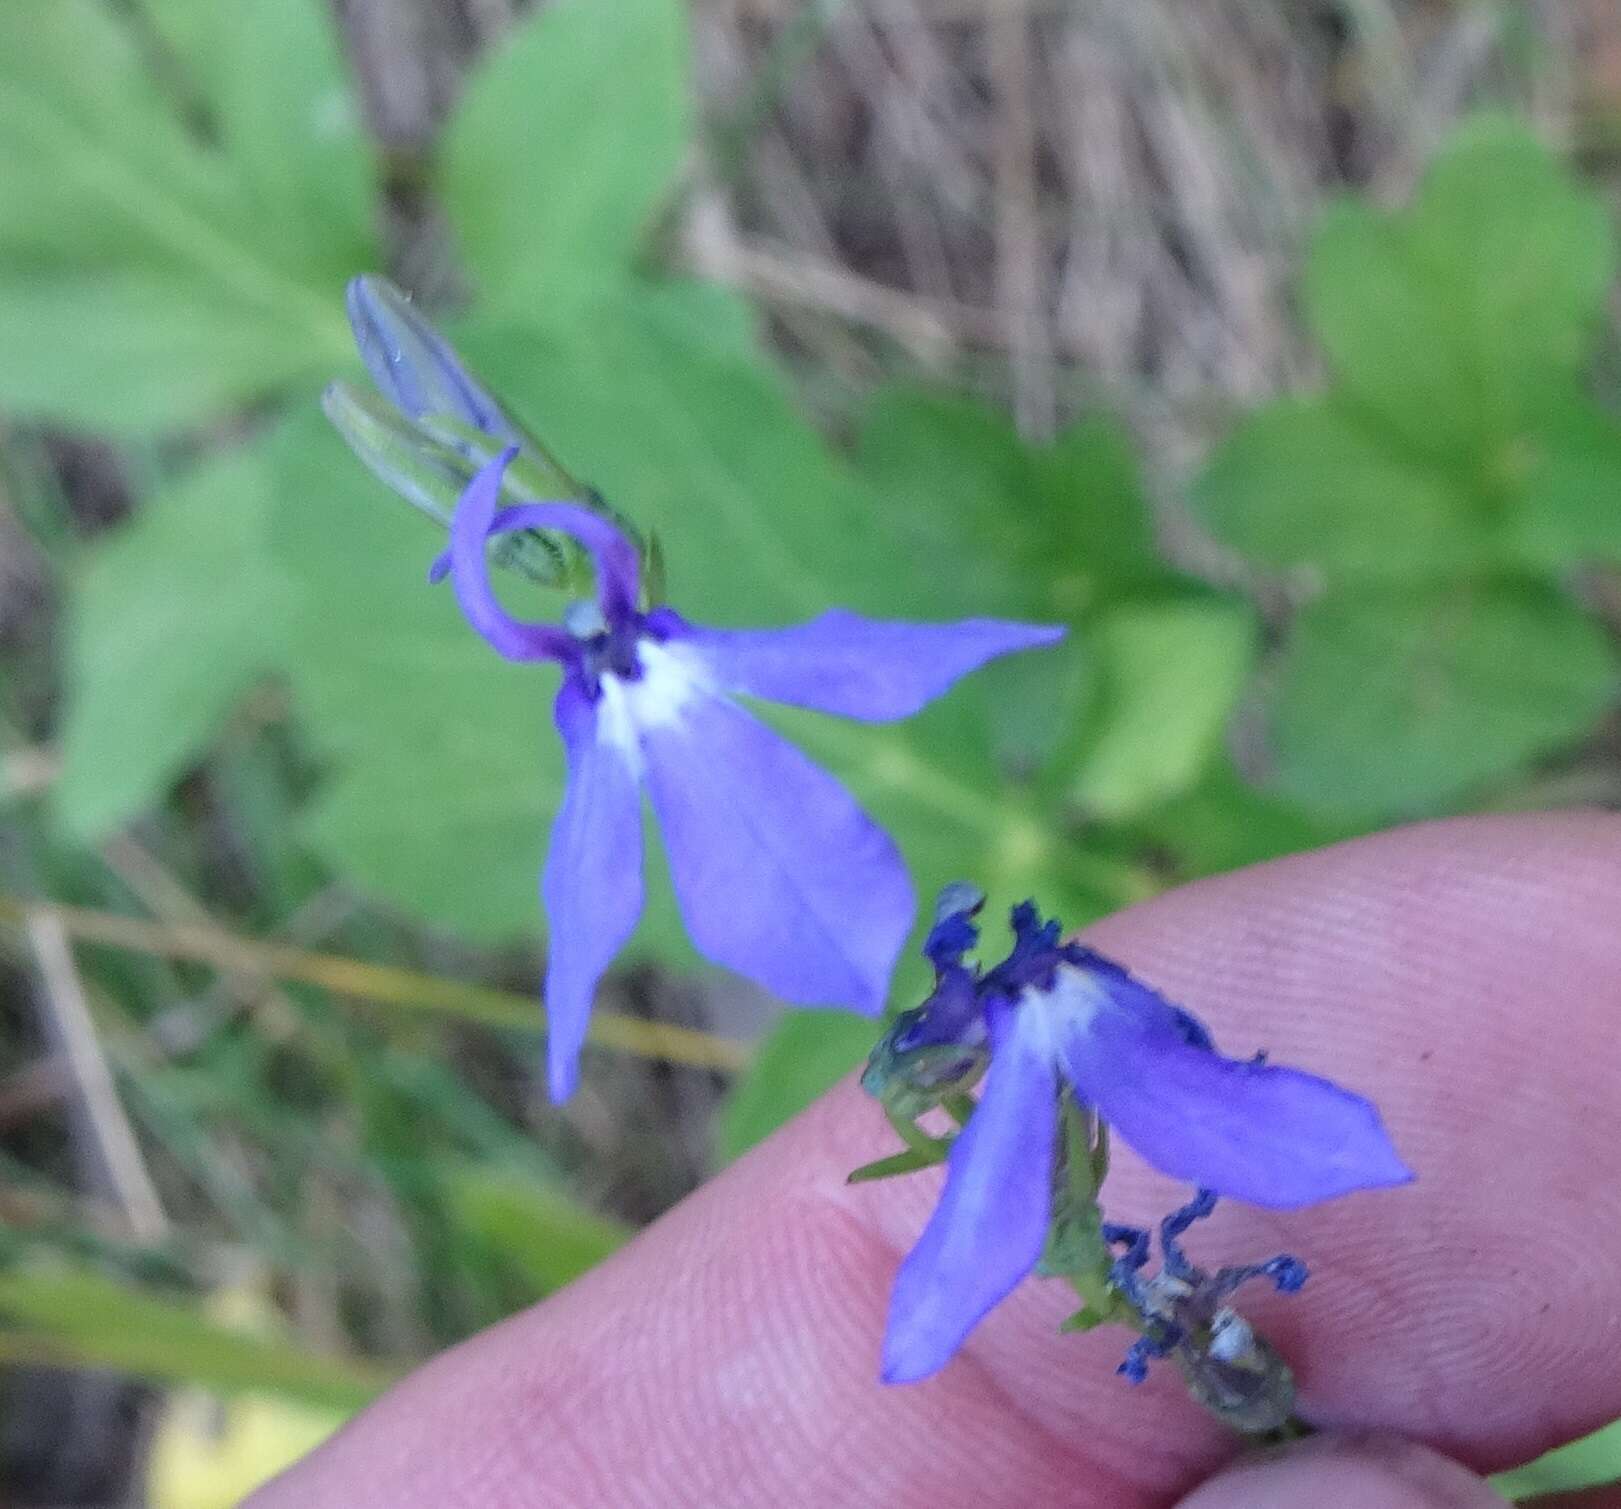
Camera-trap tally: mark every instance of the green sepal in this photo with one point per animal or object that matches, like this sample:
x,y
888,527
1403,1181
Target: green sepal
x,y
908,1161
908,1083
1084,1319
430,460
429,464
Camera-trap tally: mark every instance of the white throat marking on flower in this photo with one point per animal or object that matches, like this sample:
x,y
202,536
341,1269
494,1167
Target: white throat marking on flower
x,y
671,681
1071,1006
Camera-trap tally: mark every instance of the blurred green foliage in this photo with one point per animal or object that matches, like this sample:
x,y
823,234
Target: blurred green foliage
x,y
1441,490
1404,629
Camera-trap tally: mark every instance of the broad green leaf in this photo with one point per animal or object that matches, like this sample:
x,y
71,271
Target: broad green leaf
x,y
1016,530
568,137
1171,673
1225,823
1450,323
84,132
269,75
445,766
1054,533
174,618
453,827
79,1318
157,278
1099,541
1394,703
1570,508
699,443
135,350
804,1054
546,1234
1309,482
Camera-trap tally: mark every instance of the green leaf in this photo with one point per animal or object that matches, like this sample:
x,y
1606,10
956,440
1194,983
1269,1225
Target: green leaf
x,y
452,828
137,350
445,765
1308,482
1016,530
1395,703
1224,824
1451,322
804,1055
154,278
271,78
699,443
546,1234
1172,674
1059,532
555,164
1571,501
175,616
78,1318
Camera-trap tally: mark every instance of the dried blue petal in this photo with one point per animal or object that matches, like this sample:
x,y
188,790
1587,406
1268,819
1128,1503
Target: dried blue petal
x,y
1184,1316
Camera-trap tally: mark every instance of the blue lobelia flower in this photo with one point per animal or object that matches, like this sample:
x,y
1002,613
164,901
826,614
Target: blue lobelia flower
x,y
778,873
1058,1018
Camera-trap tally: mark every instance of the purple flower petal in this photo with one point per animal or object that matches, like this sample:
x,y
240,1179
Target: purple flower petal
x,y
412,365
593,879
617,563
779,874
1272,1136
988,1229
872,669
470,576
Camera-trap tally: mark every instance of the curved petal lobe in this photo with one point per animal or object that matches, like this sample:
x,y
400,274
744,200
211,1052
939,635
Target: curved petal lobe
x,y
779,874
614,555
988,1229
470,575
872,669
592,883
1272,1136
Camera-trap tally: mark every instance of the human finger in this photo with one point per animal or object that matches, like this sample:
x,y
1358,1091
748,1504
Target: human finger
x,y
1463,974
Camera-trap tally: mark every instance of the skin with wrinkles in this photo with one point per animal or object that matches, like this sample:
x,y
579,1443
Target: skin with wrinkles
x,y
1466,975
1347,1472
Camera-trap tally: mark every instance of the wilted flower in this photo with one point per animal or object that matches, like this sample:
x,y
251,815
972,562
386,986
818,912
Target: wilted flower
x,y
1184,1315
1060,1019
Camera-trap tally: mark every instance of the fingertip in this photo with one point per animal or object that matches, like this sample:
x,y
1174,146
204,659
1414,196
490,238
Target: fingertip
x,y
1349,1472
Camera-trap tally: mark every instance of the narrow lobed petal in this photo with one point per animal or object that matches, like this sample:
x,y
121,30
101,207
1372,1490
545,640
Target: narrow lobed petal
x,y
470,576
779,873
413,366
988,1230
612,552
592,883
874,670
1272,1136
